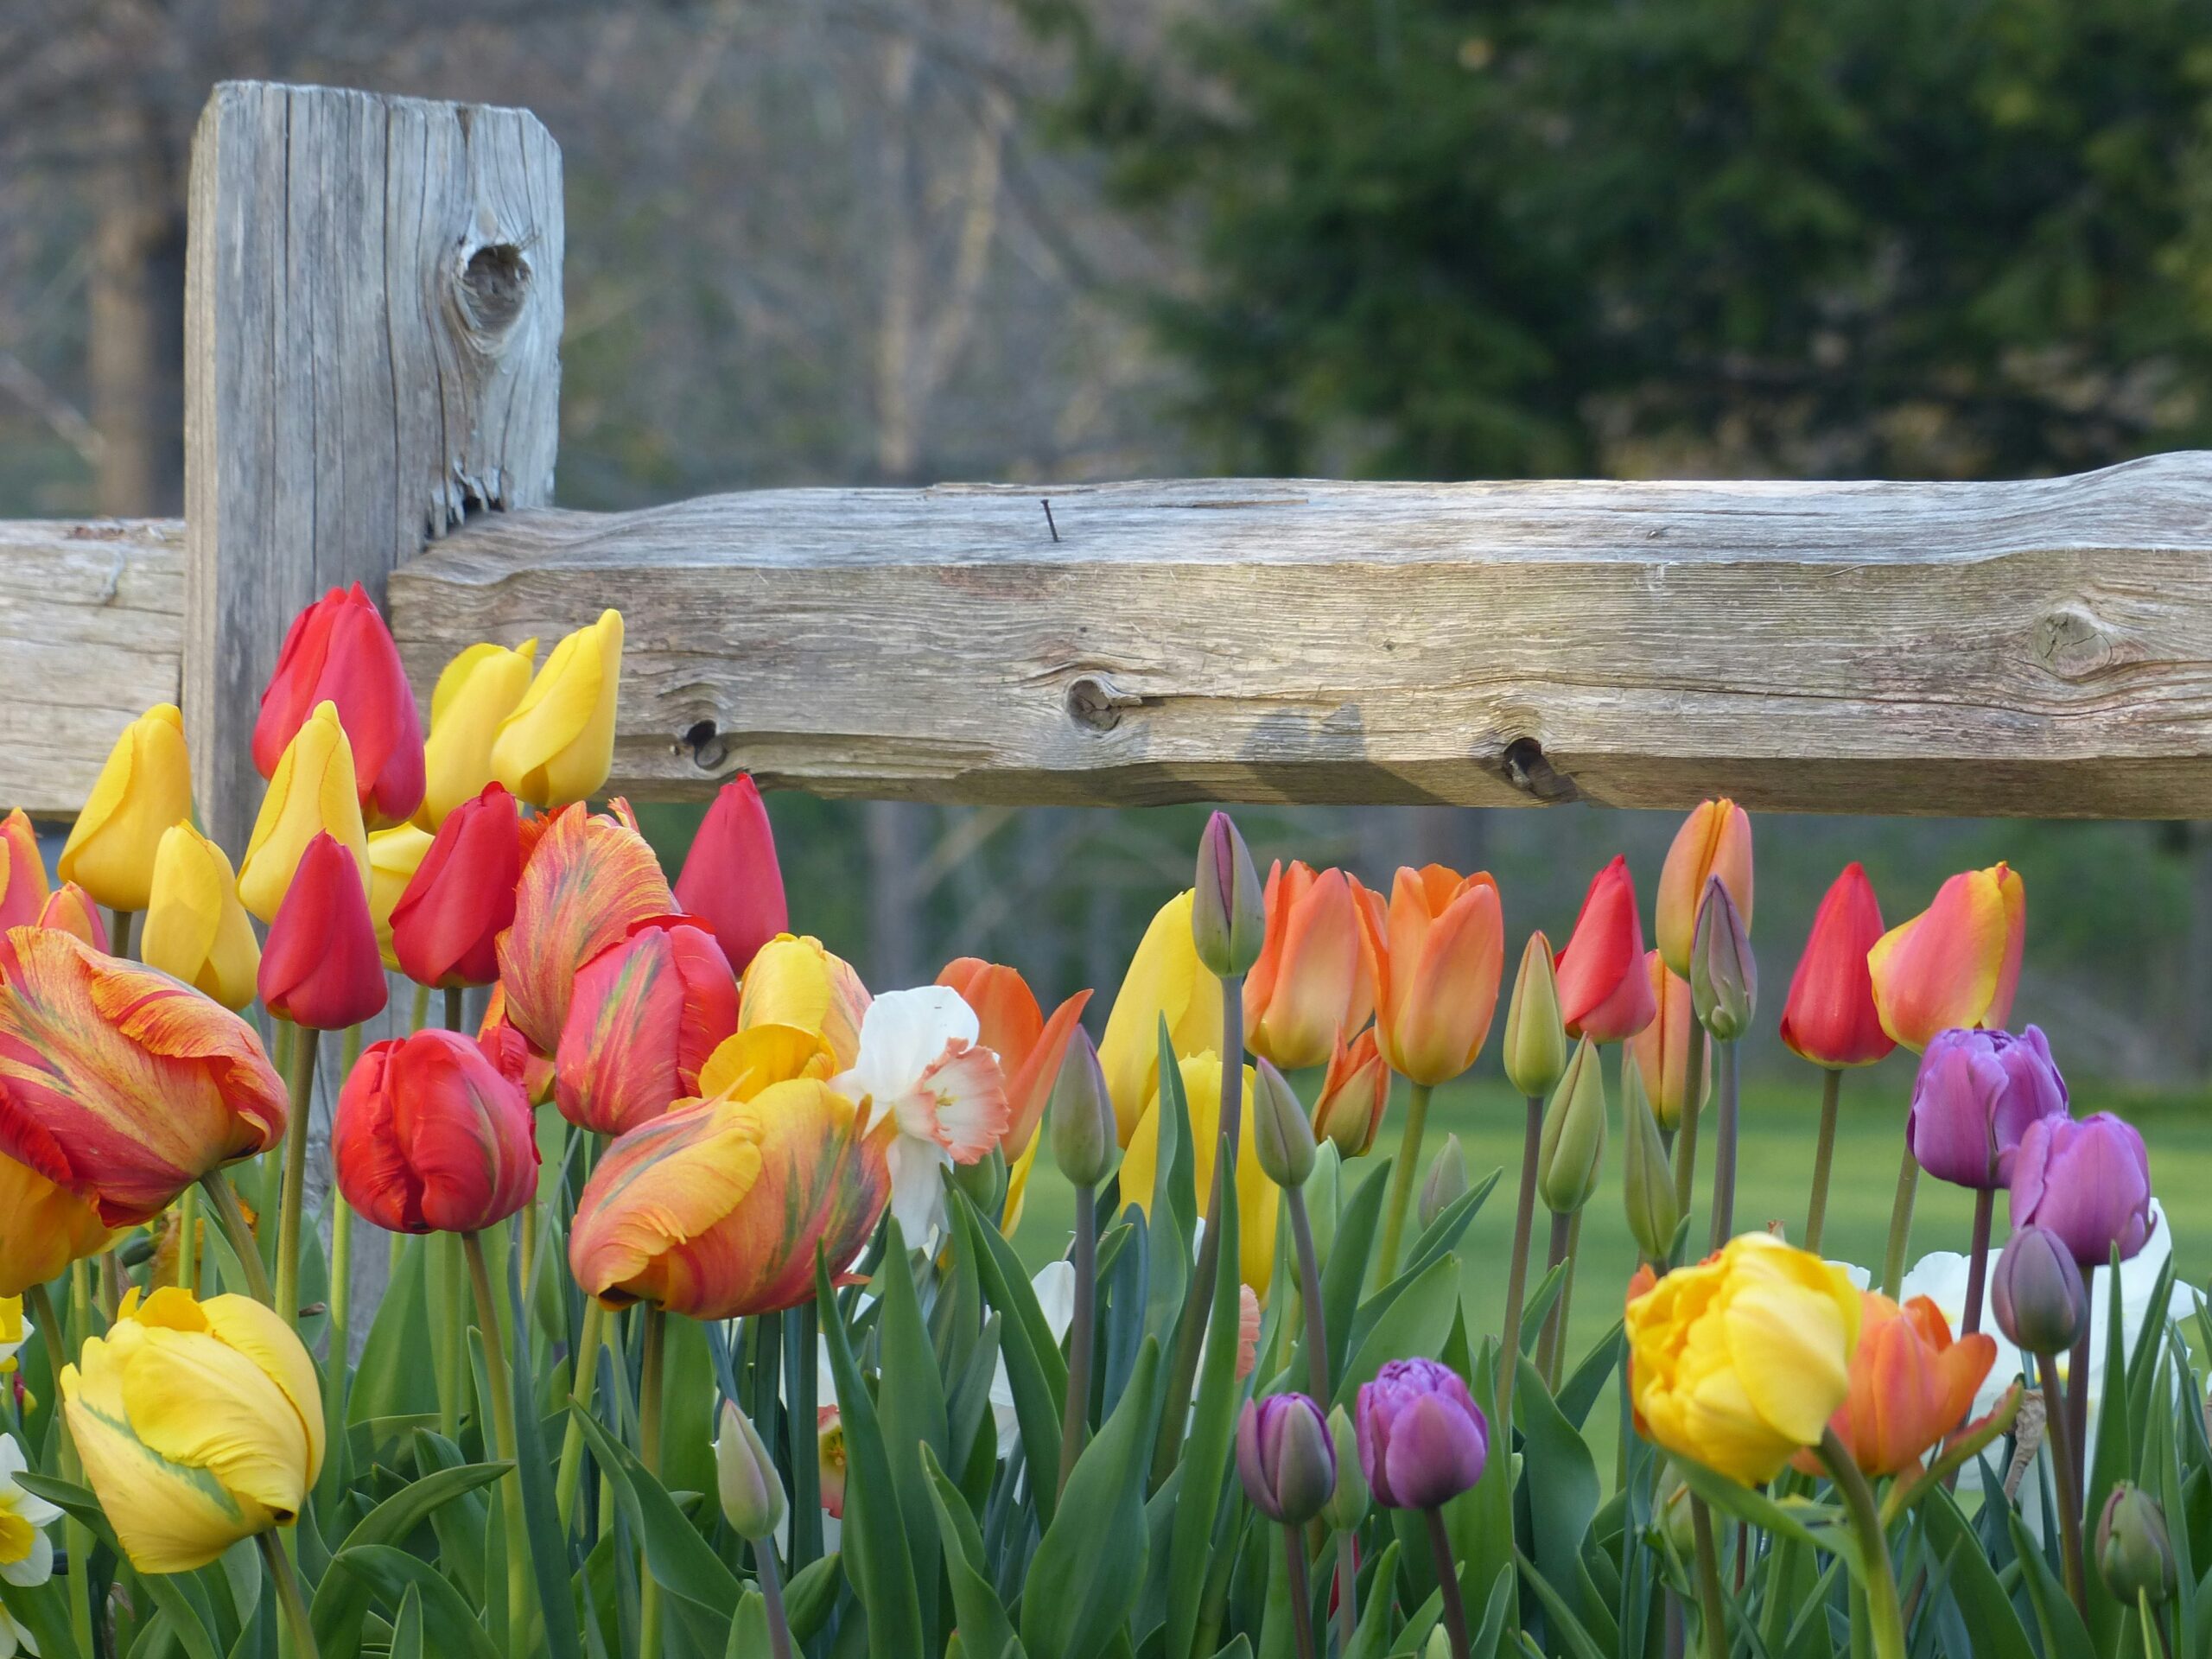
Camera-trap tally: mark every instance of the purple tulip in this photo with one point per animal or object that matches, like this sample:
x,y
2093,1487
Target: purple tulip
x,y
1422,1438
2087,1181
2036,1293
1976,1095
1286,1458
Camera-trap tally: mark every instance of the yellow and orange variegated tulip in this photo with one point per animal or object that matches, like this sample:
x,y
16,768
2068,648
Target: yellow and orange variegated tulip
x,y
495,1030
476,691
311,793
23,872
1738,1362
1910,1385
71,909
1444,953
1714,840
1661,1048
195,927
120,1083
1355,1093
43,1228
558,744
1256,1196
717,1209
1314,983
791,981
199,1423
145,787
394,856
1956,963
743,1066
1164,981
587,880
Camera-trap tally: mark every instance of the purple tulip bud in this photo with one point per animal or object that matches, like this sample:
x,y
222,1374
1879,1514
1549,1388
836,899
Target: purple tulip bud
x,y
1229,917
2088,1181
1422,1438
2036,1293
1976,1094
1286,1458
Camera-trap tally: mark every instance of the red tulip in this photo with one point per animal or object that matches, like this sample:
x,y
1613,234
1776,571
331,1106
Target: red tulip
x,y
1830,1018
446,927
1014,1028
731,880
70,908
646,1014
432,1135
1604,991
320,967
23,872
339,650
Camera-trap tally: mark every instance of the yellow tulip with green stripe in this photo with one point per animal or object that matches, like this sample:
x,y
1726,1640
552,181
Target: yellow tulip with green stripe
x,y
1256,1196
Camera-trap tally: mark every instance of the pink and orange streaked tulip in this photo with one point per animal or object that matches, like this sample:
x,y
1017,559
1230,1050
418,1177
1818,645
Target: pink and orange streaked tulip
x,y
1957,963
718,1209
495,1029
1605,989
1014,1028
1830,1018
588,878
1661,1048
71,909
1355,1093
1910,1385
321,968
119,1083
1314,983
433,1135
339,651
1438,973
23,872
731,880
446,926
793,982
1714,840
647,1013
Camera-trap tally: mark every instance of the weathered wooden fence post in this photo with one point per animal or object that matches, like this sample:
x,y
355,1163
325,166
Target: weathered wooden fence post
x,y
372,335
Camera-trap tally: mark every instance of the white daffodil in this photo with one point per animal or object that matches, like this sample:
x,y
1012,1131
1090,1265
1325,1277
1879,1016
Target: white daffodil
x,y
921,1060
26,1553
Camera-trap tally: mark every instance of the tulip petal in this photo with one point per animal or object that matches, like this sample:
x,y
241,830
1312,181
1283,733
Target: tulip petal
x,y
1164,981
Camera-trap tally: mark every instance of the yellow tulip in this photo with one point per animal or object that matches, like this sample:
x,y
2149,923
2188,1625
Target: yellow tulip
x,y
196,930
559,743
1164,978
199,1423
43,1228
1738,1362
311,792
477,690
145,787
744,1065
1256,1196
394,856
793,982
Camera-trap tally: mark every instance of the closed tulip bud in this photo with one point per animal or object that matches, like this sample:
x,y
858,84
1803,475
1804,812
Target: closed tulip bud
x,y
558,744
433,1134
984,1181
1572,1148
1229,920
1445,1184
311,793
322,968
2135,1556
751,1491
1011,1025
1437,965
646,1014
731,881
145,787
1714,844
1422,1438
339,651
1829,1017
1164,981
1281,1135
1322,1187
394,856
199,1423
1348,1506
1536,1040
2036,1293
1315,976
2088,1181
1082,1115
1355,1093
1286,1458
196,930
478,690
587,882
1661,1048
1604,991
1957,963
69,909
23,872
1724,976
1647,1179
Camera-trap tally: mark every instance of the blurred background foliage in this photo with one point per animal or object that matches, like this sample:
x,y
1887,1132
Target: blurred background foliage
x,y
893,241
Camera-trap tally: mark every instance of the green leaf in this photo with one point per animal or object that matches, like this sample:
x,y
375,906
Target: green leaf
x,y
1992,1621
914,1415
1347,1257
392,1379
43,1610
1561,1503
811,1596
2064,1637
1205,1452
166,1589
341,1602
407,1627
1038,1378
548,1544
748,1632
682,1561
1416,1322
1815,1525
2114,1457
450,1628
1173,1195
1579,1642
982,1621
1581,1390
1370,1637
874,1537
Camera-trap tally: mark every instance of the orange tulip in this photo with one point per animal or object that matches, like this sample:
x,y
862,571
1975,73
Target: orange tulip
x,y
71,909
717,1209
43,1228
1662,1048
1910,1385
1956,963
1437,978
23,872
120,1083
1355,1093
1313,985
1604,992
584,881
1714,840
1029,1047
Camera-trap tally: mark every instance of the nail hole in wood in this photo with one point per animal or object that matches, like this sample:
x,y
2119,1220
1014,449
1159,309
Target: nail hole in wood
x,y
703,737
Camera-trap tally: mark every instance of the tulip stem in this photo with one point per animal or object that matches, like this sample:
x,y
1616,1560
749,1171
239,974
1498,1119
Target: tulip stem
x,y
1900,1225
1516,1275
649,1409
119,934
1817,1215
1547,1338
2077,1399
453,1358
420,1016
1692,1102
77,1537
1447,1583
1347,1590
1301,1591
1403,1174
1309,1292
342,1239
286,1578
305,1041
572,1441
1985,1208
225,1202
772,1592
1724,1148
497,1383
1712,1608
454,1022
1564,1306
1075,1416
2060,1434
1875,1577
188,1239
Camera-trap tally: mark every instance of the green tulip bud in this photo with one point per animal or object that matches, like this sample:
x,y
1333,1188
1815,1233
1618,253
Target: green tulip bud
x,y
1322,1188
1347,1505
1535,1041
1082,1115
1724,976
983,1181
752,1492
1446,1182
1647,1186
2134,1552
1671,1514
1229,917
1283,1139
1574,1144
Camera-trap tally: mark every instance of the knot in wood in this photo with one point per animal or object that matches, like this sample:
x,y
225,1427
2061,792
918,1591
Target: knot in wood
x,y
1529,770
2073,643
703,739
495,286
1096,703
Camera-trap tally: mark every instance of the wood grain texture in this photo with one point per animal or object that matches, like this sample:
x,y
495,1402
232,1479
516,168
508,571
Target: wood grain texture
x,y
2039,648
92,630
373,327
